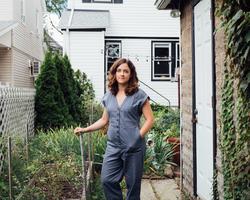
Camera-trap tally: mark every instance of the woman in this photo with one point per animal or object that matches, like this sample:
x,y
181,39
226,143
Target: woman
x,y
124,104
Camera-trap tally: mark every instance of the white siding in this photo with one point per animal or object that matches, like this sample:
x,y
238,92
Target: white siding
x,y
135,18
139,52
27,41
21,70
5,65
6,10
26,37
87,54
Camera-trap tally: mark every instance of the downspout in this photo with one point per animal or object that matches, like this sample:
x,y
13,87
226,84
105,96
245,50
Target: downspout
x,y
67,32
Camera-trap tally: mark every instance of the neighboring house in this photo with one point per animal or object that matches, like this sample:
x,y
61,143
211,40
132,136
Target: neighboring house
x,y
96,33
203,54
21,41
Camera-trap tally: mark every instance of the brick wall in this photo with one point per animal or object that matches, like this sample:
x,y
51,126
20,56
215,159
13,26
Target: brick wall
x,y
219,62
186,98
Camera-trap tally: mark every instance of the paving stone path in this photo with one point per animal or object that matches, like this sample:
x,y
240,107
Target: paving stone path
x,y
165,189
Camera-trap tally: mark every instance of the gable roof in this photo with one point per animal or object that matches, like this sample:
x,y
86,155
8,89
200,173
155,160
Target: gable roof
x,y
84,19
6,26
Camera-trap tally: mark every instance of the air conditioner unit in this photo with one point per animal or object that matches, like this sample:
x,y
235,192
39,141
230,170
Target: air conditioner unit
x,y
35,69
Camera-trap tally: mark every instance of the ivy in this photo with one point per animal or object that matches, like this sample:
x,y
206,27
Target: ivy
x,y
235,109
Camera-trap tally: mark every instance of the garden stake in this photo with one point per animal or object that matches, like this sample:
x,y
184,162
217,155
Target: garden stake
x,y
83,167
9,167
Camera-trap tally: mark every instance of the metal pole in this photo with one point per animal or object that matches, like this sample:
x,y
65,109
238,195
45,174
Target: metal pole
x,y
9,167
27,142
83,166
92,120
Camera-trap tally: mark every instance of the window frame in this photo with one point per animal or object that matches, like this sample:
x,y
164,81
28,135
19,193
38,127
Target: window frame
x,y
119,42
167,59
172,59
103,1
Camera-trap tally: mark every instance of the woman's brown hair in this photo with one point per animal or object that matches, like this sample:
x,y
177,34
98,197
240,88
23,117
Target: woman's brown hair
x,y
133,80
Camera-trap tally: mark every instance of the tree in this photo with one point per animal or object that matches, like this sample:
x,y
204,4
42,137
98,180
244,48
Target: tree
x,y
68,86
85,93
50,106
56,6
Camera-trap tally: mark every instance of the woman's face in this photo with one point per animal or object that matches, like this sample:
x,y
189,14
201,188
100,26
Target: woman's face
x,y
123,74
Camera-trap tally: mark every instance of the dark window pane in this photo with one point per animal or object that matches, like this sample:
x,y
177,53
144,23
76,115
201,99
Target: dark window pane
x,y
110,62
161,53
86,1
161,69
118,1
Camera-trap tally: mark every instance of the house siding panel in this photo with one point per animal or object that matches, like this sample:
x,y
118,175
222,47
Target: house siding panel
x,y
21,70
135,18
6,10
26,37
139,52
87,54
5,66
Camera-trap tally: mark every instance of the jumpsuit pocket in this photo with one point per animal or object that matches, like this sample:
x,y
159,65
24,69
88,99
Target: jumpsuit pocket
x,y
132,138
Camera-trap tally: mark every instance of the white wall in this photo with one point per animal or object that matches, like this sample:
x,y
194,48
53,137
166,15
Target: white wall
x,y
87,54
139,52
5,65
6,10
135,18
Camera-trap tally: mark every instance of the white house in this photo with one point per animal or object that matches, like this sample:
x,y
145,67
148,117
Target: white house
x,y
96,32
21,41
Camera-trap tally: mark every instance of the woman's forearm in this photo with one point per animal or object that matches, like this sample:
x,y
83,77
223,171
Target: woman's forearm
x,y
146,127
96,126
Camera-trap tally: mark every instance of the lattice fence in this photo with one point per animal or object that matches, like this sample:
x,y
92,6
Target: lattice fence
x,y
17,113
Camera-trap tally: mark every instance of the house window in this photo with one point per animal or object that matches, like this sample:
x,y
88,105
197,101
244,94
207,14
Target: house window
x,y
165,60
102,1
161,61
113,52
23,11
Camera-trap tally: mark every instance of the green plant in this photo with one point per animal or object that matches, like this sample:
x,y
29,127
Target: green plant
x,y
158,154
50,106
235,106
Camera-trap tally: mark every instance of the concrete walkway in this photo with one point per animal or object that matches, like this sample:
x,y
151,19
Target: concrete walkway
x,y
165,189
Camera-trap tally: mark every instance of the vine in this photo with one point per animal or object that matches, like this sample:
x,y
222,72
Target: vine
x,y
235,117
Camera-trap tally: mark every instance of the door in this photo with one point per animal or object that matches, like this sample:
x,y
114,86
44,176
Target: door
x,y
203,84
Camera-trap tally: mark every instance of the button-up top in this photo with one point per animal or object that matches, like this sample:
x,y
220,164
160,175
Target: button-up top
x,y
124,120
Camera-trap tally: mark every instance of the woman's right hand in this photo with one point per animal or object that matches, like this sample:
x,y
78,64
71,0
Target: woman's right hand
x,y
79,130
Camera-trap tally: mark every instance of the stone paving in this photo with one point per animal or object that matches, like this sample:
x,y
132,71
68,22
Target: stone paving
x,y
165,189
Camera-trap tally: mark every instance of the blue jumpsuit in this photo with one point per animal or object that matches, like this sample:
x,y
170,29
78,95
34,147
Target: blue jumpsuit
x,y
125,150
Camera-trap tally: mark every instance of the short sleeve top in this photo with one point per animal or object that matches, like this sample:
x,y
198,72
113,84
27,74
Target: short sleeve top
x,y
124,120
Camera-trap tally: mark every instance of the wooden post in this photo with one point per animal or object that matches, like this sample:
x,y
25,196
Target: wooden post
x,y
9,167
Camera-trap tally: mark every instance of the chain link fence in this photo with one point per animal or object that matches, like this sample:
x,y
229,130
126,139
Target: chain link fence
x,y
17,114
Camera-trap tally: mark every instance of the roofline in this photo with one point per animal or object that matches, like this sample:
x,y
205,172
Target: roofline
x,y
8,28
87,10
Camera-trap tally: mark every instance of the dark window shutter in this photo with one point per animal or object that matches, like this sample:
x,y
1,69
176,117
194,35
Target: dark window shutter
x,y
118,1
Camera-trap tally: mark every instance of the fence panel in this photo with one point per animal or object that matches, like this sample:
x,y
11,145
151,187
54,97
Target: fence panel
x,y
17,113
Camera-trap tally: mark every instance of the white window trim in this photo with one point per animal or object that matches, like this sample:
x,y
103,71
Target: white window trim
x,y
120,48
168,44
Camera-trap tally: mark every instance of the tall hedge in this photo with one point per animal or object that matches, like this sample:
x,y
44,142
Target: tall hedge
x,y
50,106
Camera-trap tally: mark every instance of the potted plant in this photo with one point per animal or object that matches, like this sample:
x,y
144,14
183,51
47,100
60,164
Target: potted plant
x,y
172,136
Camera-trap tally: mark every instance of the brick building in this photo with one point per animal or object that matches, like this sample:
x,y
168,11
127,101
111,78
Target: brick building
x,y
202,60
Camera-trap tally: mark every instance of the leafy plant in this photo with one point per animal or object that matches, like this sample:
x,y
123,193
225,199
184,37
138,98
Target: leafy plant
x,y
158,154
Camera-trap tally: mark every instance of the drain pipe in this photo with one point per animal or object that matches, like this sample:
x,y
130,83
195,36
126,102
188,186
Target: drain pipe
x,y
67,45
